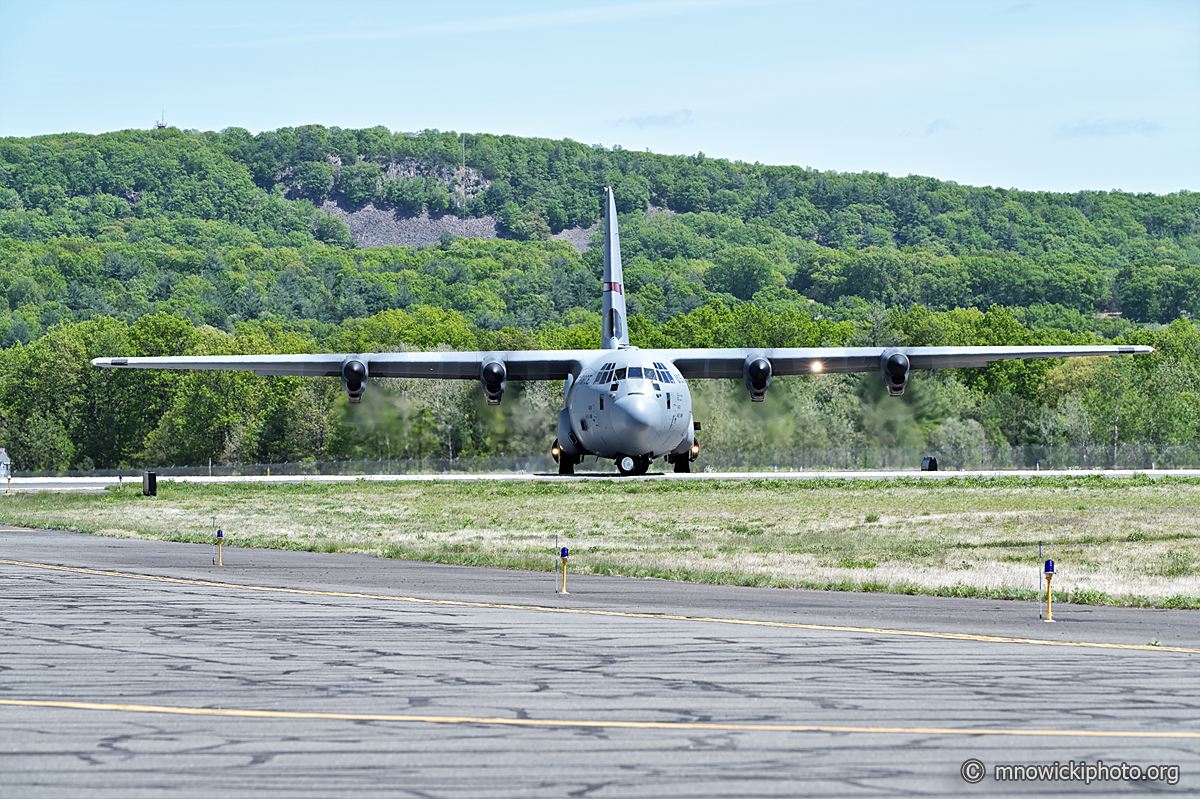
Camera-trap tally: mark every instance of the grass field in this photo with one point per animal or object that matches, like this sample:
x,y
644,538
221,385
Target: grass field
x,y
1128,541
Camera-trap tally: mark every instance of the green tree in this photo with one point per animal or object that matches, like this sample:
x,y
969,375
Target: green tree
x,y
358,183
690,195
331,230
632,194
315,178
407,194
740,271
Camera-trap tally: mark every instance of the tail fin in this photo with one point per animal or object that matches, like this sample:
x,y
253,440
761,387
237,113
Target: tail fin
x,y
613,332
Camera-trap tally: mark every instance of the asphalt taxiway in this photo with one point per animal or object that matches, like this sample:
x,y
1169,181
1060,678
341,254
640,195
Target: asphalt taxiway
x,y
132,668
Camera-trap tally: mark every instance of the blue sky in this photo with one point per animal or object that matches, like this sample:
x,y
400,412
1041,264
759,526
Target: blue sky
x,y
1034,95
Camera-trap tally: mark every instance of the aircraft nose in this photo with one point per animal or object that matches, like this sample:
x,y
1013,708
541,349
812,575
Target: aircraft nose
x,y
638,421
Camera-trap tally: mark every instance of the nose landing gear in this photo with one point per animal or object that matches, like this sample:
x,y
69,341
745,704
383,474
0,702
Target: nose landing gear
x,y
632,465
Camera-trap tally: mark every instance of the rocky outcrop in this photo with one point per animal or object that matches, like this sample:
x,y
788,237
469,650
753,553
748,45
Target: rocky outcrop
x,y
378,227
381,227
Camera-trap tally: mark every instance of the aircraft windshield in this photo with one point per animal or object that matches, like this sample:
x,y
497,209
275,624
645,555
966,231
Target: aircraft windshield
x,y
635,372
620,374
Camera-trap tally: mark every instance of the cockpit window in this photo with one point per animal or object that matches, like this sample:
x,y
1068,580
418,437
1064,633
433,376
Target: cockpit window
x,y
605,374
664,373
635,372
620,374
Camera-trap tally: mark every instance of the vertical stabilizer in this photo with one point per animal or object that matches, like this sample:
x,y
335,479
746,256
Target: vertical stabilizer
x,y
613,331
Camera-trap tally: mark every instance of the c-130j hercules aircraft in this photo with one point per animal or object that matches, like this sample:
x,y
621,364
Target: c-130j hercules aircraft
x,y
620,402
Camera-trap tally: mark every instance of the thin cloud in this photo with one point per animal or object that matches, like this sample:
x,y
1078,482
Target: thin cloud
x,y
1120,127
938,126
674,119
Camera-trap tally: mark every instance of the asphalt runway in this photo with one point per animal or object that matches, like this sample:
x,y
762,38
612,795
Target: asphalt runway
x,y
135,668
93,484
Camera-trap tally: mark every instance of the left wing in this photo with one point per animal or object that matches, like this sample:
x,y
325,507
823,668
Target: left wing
x,y
757,366
728,363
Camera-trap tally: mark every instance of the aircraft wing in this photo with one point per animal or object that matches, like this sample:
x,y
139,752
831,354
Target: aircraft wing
x,y
558,364
520,365
730,363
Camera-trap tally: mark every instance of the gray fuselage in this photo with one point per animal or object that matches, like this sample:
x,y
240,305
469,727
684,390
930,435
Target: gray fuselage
x,y
627,402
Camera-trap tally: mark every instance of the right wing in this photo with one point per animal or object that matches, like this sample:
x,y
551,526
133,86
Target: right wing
x,y
519,365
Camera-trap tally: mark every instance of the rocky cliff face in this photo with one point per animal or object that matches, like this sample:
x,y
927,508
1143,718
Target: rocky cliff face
x,y
373,226
381,227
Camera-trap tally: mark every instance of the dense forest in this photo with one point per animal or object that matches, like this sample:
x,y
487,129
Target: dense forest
x,y
168,241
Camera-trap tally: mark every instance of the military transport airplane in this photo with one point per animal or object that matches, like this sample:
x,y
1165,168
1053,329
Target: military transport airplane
x,y
620,402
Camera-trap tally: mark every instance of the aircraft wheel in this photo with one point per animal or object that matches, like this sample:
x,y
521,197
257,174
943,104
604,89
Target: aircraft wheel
x,y
683,465
627,465
566,464
643,464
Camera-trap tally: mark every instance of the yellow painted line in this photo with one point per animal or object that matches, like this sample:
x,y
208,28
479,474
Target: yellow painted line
x,y
593,723
590,612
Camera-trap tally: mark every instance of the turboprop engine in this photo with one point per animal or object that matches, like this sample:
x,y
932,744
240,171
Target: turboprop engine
x,y
756,371
354,379
493,377
894,367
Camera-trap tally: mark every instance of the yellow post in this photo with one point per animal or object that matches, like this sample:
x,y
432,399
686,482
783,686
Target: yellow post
x,y
1048,616
565,554
220,538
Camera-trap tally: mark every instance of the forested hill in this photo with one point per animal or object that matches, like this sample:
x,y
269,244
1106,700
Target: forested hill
x,y
227,226
187,242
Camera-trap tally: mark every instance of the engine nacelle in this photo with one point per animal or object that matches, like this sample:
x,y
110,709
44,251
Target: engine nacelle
x,y
756,371
354,378
493,377
568,442
894,367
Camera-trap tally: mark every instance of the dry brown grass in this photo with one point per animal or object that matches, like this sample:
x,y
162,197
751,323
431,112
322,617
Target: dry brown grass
x,y
1129,541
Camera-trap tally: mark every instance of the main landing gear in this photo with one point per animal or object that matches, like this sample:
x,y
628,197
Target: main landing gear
x,y
683,460
566,462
